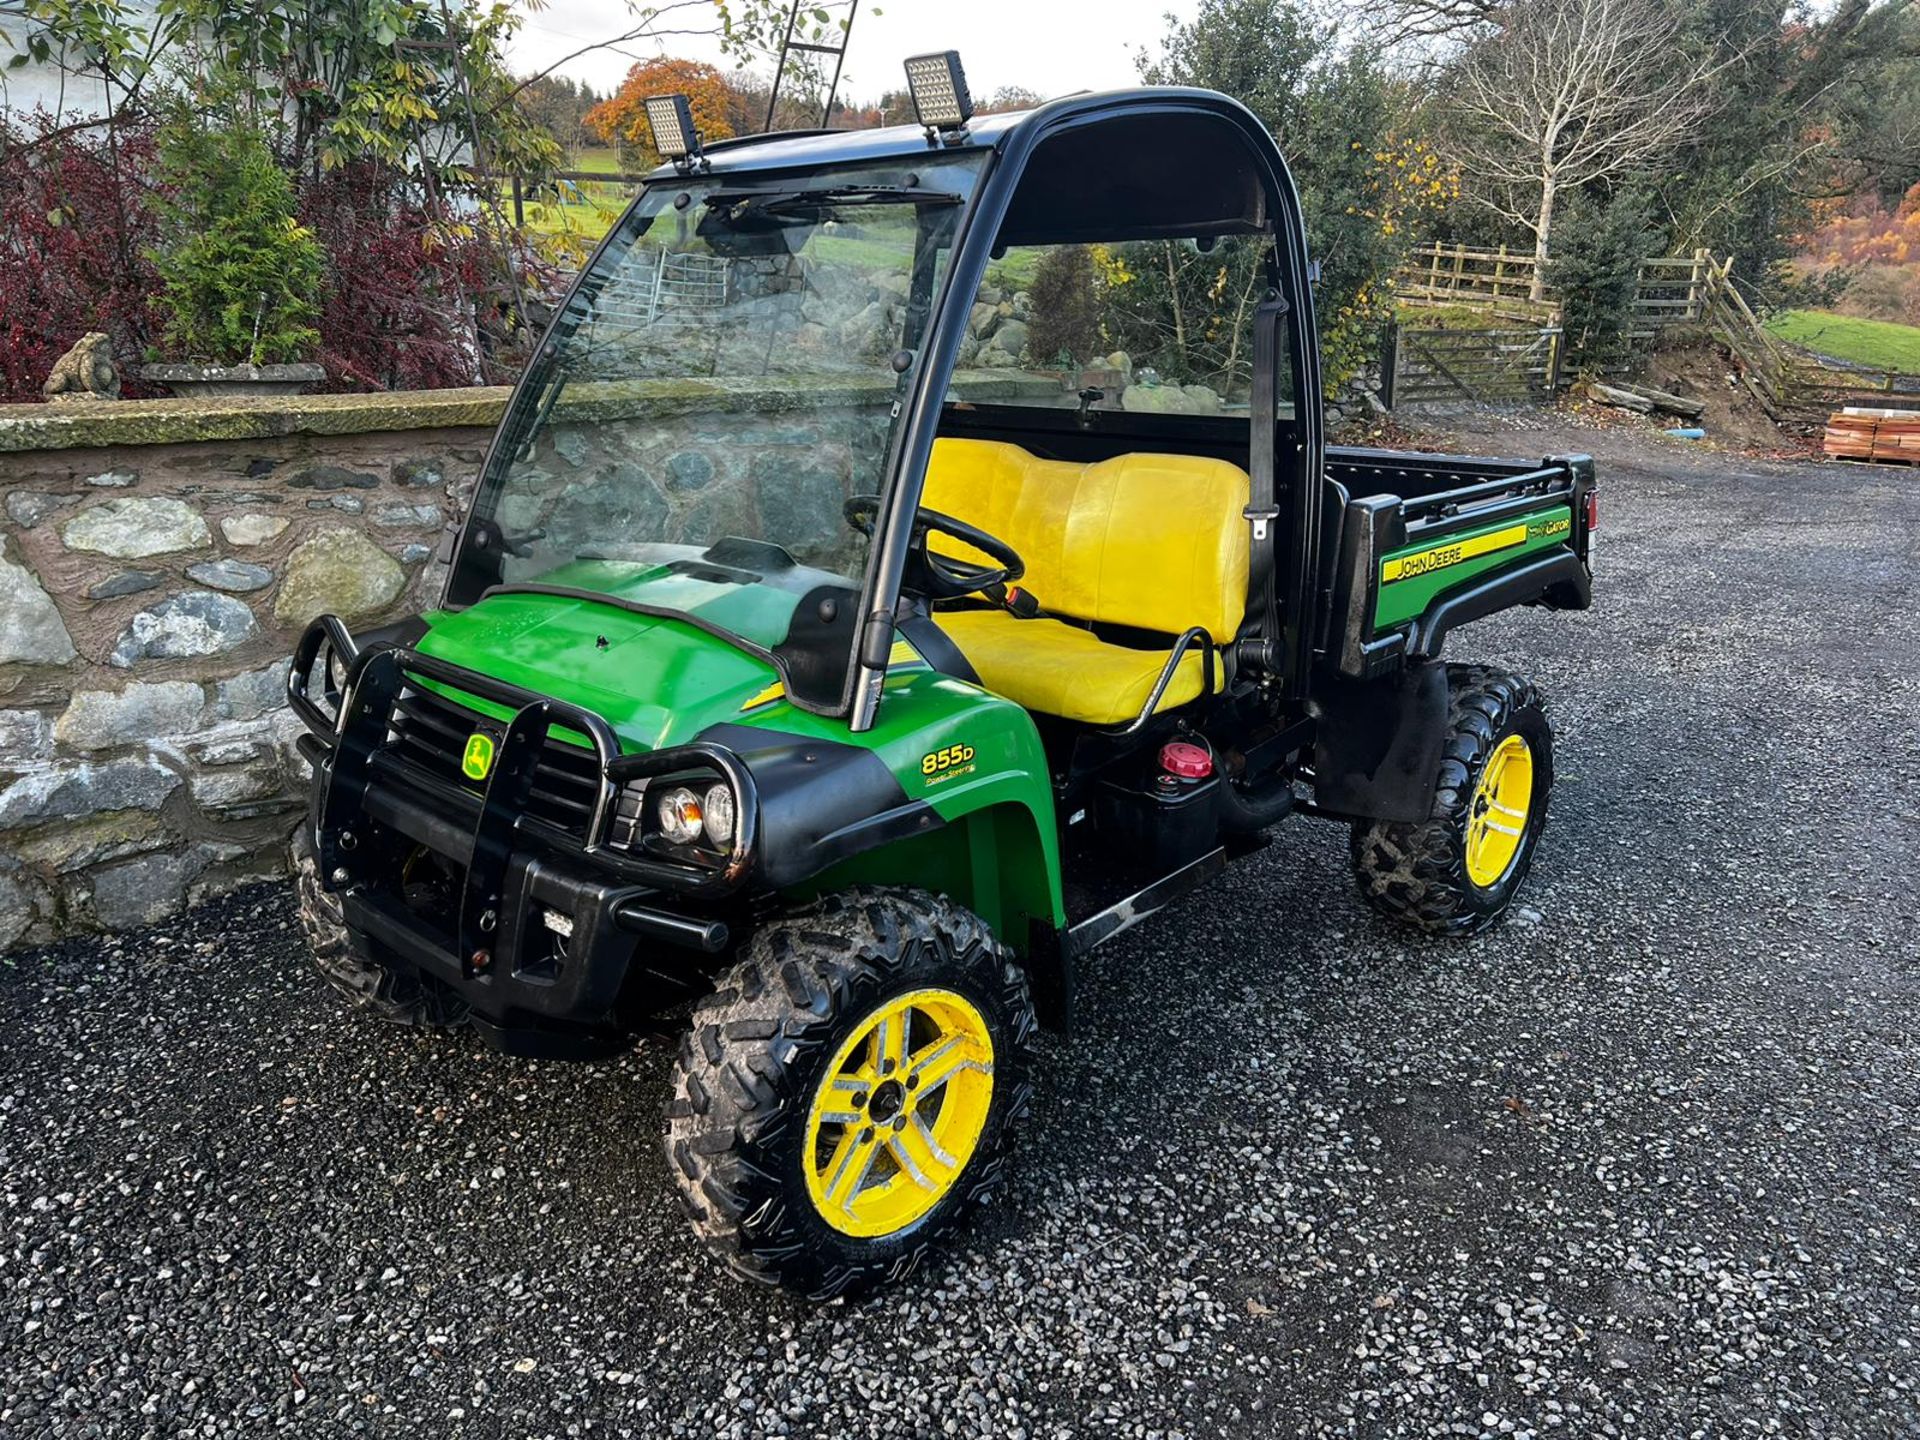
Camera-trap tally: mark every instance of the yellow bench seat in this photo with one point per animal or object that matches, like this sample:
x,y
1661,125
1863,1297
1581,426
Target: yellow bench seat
x,y
1150,542
1060,669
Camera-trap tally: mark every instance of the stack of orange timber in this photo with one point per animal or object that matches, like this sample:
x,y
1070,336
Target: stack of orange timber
x,y
1856,433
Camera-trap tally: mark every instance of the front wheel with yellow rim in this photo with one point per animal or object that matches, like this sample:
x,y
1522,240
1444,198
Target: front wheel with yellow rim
x,y
845,1095
1456,870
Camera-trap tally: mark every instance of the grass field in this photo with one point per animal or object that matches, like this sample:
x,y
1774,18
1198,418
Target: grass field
x,y
1013,270
584,209
604,161
1875,343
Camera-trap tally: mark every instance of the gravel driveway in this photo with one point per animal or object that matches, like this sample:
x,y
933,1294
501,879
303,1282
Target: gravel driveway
x,y
1645,1161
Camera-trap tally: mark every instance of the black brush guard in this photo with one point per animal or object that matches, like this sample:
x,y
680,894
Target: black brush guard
x,y
498,947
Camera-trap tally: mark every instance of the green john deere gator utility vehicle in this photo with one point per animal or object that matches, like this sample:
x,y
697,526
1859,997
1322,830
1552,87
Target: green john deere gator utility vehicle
x,y
816,653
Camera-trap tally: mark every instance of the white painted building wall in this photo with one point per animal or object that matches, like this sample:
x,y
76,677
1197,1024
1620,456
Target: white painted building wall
x,y
32,87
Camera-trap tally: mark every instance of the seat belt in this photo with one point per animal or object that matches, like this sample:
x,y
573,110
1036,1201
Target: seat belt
x,y
1262,508
1019,603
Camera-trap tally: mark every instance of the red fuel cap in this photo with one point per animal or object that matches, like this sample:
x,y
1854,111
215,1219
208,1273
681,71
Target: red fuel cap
x,y
1189,762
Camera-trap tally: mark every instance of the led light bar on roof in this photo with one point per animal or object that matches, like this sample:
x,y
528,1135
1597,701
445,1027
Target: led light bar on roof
x,y
671,119
939,89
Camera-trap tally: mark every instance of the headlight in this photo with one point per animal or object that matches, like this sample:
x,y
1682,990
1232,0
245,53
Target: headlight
x,y
718,817
689,818
680,815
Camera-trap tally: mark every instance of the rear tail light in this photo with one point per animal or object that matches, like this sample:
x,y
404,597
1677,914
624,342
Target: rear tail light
x,y
1593,511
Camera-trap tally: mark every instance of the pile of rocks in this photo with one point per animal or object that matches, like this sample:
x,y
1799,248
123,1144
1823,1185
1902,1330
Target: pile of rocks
x,y
1358,403
842,308
149,596
1149,394
997,331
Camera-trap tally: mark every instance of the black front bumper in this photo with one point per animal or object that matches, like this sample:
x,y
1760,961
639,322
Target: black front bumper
x,y
528,971
552,925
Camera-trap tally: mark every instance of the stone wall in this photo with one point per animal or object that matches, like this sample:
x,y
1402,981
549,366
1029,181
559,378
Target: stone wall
x,y
158,561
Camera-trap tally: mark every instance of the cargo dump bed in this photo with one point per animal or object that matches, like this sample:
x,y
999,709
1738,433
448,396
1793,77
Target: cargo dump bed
x,y
1421,544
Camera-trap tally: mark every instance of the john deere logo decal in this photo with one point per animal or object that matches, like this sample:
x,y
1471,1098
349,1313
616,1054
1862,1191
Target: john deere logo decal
x,y
478,759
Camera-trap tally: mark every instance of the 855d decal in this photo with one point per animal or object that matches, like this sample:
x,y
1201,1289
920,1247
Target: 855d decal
x,y
946,763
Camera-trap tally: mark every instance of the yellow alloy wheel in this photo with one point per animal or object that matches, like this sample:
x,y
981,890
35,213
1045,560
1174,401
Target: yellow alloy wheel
x,y
1497,821
899,1113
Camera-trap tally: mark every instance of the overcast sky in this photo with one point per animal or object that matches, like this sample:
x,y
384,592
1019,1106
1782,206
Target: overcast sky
x,y
1052,46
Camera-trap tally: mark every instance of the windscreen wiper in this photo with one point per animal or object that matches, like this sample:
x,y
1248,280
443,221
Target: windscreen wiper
x,y
832,195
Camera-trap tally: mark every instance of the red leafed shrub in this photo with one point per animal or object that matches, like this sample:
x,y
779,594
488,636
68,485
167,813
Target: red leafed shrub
x,y
408,301
411,303
74,231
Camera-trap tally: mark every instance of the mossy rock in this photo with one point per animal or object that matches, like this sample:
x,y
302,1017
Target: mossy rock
x,y
337,572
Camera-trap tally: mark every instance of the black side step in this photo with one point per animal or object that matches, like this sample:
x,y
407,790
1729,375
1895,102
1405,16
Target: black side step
x,y
1123,914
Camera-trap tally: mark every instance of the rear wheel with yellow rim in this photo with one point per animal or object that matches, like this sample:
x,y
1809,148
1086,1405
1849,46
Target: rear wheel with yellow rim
x,y
845,1096
1456,871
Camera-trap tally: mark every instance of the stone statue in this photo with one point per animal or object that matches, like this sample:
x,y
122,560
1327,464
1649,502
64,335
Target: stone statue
x,y
86,372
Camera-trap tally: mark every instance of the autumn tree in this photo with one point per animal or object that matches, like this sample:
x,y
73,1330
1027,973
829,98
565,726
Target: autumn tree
x,y
622,120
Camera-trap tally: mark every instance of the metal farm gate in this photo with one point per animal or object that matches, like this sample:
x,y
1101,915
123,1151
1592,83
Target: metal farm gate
x,y
655,281
651,298
1424,366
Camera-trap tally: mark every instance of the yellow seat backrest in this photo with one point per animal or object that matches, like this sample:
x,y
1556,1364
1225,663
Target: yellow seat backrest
x,y
1158,542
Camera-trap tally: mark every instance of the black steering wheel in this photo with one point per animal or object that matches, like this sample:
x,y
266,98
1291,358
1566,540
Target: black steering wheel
x,y
941,577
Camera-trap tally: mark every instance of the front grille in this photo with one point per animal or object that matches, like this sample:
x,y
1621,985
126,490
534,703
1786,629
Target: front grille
x,y
431,732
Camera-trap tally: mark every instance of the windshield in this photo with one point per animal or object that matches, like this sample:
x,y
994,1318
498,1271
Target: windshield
x,y
720,384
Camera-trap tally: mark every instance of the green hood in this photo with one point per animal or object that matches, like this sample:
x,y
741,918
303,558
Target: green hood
x,y
658,682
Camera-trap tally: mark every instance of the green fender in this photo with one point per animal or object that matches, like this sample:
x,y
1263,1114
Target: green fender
x,y
976,761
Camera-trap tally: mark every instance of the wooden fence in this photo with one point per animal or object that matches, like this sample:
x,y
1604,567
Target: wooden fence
x,y
1670,292
1788,382
1765,367
1692,289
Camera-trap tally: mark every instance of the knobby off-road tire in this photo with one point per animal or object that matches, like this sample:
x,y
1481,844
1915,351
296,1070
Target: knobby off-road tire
x,y
371,988
1418,872
750,1075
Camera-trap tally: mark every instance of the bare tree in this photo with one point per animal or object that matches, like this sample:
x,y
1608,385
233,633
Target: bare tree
x,y
1562,93
1425,24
